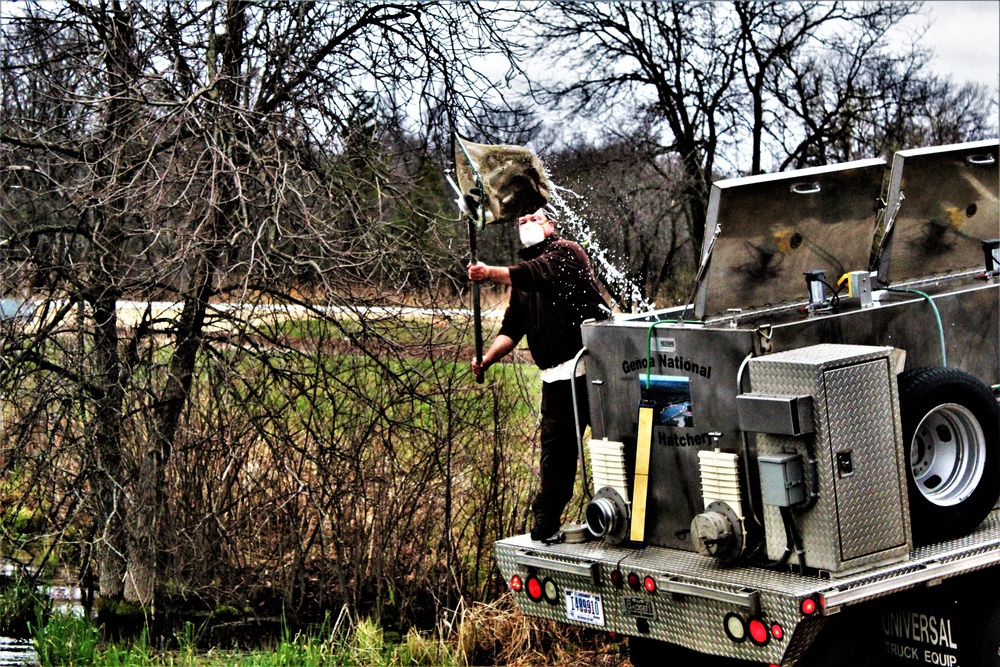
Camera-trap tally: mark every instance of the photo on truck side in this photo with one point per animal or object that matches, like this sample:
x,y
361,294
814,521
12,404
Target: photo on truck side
x,y
670,396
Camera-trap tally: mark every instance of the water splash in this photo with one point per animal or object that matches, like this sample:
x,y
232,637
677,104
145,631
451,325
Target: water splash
x,y
581,231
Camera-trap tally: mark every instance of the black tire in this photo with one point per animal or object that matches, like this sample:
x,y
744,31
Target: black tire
x,y
646,652
988,639
951,433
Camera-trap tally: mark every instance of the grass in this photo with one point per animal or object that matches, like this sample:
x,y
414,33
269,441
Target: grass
x,y
483,634
20,602
72,641
64,639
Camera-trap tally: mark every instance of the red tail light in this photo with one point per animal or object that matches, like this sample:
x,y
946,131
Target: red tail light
x,y
808,607
758,632
534,588
516,584
649,584
633,581
777,632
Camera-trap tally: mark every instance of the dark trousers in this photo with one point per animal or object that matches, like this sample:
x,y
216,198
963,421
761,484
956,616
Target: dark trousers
x,y
559,447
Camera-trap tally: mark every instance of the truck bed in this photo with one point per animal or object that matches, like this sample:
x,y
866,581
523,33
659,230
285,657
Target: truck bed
x,y
694,595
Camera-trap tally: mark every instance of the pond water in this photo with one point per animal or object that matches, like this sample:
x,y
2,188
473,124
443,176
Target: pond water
x,y
66,599
16,652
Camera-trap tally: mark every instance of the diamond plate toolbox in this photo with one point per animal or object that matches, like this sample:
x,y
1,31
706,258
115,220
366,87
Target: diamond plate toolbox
x,y
860,517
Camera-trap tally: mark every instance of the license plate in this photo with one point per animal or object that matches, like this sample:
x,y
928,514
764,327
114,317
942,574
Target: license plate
x,y
584,607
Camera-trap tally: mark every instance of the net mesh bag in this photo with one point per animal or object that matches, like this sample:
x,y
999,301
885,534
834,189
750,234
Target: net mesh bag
x,y
513,178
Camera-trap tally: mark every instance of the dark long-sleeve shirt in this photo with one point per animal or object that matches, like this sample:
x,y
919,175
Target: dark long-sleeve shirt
x,y
553,290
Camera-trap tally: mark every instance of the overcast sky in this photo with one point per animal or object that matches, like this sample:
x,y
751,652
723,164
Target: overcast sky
x,y
965,37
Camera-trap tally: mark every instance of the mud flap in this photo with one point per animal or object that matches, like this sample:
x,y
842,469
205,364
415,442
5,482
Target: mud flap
x,y
954,624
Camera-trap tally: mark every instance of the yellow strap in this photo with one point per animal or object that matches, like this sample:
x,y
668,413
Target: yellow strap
x,y
641,484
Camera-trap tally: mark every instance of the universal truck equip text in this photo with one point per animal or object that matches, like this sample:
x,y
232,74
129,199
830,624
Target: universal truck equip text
x,y
802,465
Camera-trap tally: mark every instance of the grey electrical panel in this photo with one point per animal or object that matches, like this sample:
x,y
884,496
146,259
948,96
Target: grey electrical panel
x,y
781,480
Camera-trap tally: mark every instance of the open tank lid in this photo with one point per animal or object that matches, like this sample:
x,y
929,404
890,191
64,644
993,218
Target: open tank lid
x,y
942,205
764,232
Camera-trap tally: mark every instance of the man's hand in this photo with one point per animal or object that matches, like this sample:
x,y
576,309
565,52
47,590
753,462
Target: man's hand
x,y
479,368
500,348
480,272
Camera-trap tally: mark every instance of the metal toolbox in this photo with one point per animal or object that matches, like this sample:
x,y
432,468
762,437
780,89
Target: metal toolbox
x,y
860,516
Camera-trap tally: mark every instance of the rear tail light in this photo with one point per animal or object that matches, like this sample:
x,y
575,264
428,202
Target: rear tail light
x,y
777,632
649,584
734,627
516,584
617,578
550,591
808,606
633,581
758,632
534,587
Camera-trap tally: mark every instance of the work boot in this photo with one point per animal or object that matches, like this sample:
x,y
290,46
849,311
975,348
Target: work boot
x,y
545,530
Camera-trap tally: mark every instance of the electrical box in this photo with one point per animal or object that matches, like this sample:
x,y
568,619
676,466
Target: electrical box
x,y
861,516
782,483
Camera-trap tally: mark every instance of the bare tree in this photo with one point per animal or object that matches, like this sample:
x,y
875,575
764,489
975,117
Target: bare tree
x,y
853,98
672,61
776,36
230,158
734,88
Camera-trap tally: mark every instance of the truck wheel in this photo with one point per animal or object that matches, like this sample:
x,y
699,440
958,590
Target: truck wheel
x,y
951,428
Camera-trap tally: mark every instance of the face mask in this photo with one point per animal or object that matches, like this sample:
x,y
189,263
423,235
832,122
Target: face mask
x,y
531,234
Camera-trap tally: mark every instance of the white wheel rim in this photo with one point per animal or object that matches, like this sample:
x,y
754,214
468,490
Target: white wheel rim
x,y
947,454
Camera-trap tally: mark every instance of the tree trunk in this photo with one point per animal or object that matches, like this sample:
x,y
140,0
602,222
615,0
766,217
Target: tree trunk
x,y
144,556
109,478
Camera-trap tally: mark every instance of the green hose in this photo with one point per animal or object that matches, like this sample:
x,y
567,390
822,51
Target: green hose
x,y
937,316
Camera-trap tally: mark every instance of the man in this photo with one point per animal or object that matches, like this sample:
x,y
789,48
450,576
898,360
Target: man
x,y
553,290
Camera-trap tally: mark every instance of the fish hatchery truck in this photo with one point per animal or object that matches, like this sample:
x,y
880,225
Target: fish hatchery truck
x,y
802,466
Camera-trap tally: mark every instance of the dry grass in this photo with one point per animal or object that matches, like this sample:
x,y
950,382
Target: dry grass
x,y
499,634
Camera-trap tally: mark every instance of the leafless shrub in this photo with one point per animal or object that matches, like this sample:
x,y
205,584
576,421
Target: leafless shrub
x,y
285,434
